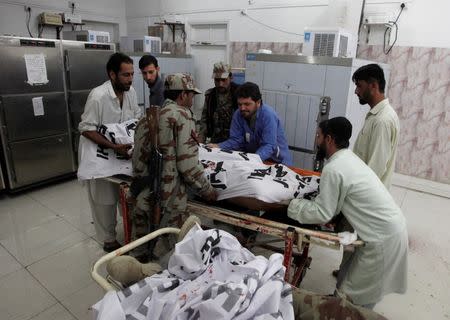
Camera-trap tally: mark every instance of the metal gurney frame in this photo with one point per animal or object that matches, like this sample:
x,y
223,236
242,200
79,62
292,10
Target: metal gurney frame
x,y
296,239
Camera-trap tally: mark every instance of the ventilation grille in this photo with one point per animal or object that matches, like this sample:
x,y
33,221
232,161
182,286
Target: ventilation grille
x,y
324,44
343,43
155,46
138,45
81,37
104,39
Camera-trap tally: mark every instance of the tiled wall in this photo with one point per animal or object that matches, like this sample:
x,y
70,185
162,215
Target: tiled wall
x,y
418,90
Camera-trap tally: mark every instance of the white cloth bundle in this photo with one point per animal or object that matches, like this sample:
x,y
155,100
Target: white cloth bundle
x,y
210,276
238,174
97,162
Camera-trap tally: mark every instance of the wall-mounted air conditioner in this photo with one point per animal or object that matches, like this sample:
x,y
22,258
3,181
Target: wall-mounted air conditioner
x,y
87,36
140,44
329,42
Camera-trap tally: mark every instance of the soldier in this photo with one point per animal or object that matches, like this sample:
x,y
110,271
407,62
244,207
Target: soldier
x,y
220,104
179,145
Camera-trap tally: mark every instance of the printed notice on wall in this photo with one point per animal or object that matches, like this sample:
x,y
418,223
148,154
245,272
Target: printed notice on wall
x,y
36,69
38,106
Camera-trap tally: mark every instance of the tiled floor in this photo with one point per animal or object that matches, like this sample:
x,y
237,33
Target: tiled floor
x,y
47,248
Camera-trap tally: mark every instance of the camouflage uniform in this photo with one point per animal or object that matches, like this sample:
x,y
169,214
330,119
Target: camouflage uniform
x,y
179,146
144,202
218,108
311,306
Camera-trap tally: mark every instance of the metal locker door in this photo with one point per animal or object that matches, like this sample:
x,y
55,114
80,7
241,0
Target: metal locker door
x,y
291,118
301,129
21,121
14,79
39,159
86,69
281,107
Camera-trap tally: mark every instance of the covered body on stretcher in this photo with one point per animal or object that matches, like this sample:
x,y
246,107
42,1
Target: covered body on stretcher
x,y
241,179
210,276
247,183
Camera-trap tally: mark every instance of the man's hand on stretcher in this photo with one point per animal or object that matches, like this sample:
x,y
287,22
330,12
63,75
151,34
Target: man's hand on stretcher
x,y
210,195
212,145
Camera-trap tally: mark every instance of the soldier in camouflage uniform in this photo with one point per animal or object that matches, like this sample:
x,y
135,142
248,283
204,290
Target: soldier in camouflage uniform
x,y
142,203
178,142
220,104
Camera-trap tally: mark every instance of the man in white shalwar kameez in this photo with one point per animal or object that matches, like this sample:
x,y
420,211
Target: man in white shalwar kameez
x,y
114,101
349,186
377,141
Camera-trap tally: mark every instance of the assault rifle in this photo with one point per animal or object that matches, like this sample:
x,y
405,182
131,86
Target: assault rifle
x,y
155,162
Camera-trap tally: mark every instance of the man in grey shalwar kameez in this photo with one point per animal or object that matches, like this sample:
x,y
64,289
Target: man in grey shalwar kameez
x,y
349,186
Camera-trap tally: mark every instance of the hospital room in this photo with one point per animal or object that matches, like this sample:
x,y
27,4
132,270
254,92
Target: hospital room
x,y
242,159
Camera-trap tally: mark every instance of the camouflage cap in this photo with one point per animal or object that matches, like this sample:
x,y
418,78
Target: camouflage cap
x,y
180,81
221,70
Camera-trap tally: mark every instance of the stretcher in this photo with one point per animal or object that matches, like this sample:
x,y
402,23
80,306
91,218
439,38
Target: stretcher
x,y
290,240
307,305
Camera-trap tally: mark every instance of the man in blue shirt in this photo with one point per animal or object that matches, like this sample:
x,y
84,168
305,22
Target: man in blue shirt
x,y
256,128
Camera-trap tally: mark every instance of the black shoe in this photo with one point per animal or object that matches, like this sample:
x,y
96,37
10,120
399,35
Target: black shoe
x,y
335,273
111,246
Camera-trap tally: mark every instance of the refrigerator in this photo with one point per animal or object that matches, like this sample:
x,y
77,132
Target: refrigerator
x,y
34,120
304,90
85,69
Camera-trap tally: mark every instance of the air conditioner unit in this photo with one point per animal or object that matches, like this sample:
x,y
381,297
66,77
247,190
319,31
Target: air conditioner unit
x,y
140,44
329,42
87,36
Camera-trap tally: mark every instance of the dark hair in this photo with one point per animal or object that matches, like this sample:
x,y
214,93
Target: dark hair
x,y
147,60
172,94
115,60
339,128
248,90
371,73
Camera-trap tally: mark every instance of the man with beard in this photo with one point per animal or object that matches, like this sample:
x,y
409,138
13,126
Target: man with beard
x,y
220,104
256,128
377,142
114,101
150,72
349,186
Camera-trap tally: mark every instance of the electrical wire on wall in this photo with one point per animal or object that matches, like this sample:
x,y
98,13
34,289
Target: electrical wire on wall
x,y
270,27
390,26
40,30
28,10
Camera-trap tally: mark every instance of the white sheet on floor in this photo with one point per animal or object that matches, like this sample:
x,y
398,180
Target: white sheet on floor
x,y
98,162
238,174
210,276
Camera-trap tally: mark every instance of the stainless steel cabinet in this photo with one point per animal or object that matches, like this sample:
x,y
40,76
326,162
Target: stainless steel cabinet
x,y
85,69
33,115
